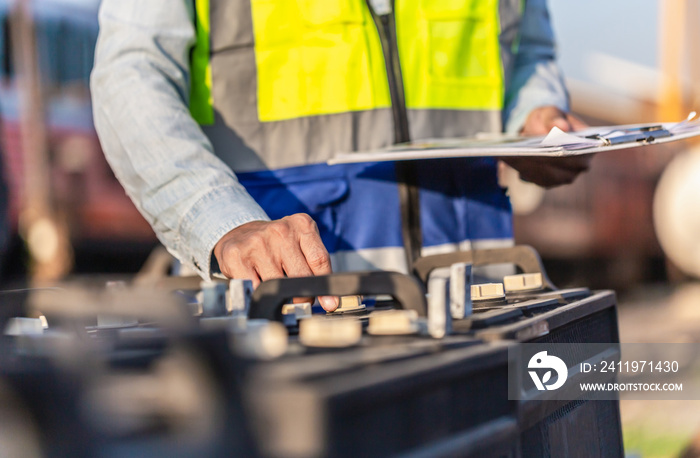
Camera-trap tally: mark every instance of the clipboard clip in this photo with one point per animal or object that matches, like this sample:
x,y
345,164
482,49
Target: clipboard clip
x,y
645,135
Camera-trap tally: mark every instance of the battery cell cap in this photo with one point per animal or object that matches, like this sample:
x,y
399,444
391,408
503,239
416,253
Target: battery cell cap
x,y
488,291
260,339
298,310
393,322
523,282
350,304
24,327
329,333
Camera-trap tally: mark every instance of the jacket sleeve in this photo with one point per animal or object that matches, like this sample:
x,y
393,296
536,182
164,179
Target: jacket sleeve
x,y
537,79
140,91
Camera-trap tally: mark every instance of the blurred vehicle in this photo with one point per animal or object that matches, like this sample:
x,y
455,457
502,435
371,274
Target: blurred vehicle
x,y
102,222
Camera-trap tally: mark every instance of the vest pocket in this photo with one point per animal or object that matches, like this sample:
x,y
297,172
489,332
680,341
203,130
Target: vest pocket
x,y
456,63
311,190
316,57
295,190
463,40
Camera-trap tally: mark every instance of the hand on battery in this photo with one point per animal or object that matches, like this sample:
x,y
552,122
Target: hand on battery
x,y
263,250
550,171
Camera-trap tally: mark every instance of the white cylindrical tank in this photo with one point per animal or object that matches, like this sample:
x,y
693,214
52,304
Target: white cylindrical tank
x,y
677,211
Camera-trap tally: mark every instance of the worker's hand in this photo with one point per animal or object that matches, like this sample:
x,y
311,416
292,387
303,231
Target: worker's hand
x,y
550,171
542,119
263,250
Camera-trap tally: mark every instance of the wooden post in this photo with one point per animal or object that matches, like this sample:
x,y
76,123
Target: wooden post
x,y
674,17
693,40
45,233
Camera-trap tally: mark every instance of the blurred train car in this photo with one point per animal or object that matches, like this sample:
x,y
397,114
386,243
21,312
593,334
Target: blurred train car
x,y
105,228
602,227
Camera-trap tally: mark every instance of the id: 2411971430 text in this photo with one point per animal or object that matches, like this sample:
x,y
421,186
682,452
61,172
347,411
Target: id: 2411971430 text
x,y
631,366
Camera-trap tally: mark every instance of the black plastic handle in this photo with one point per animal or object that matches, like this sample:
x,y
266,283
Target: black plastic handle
x,y
271,295
523,256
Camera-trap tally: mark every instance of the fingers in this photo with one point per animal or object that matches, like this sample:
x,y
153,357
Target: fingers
x,y
579,163
264,250
567,122
308,252
268,267
560,122
550,172
241,270
296,266
303,300
575,122
552,176
560,174
542,119
316,256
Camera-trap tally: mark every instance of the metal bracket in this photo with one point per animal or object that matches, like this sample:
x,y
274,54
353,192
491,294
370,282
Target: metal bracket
x,y
269,297
523,256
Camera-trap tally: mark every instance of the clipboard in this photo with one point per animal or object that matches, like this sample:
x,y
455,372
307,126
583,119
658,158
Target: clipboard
x,y
556,144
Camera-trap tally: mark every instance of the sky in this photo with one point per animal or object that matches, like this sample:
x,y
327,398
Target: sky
x,y
624,30
612,43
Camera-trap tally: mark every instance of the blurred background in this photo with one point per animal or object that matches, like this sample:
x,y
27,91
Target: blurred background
x,y
632,224
72,214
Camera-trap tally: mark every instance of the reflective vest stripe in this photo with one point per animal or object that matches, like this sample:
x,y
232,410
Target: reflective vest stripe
x,y
393,258
299,141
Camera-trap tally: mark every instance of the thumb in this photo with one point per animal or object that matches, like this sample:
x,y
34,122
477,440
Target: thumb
x,y
561,123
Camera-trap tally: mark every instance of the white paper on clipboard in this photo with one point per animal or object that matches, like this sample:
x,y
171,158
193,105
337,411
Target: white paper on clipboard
x,y
556,144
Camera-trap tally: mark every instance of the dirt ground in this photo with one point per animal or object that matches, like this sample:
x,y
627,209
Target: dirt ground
x,y
664,314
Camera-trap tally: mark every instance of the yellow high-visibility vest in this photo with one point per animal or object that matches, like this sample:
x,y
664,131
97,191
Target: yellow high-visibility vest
x,y
313,59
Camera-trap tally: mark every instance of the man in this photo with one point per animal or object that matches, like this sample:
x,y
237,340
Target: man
x,y
188,92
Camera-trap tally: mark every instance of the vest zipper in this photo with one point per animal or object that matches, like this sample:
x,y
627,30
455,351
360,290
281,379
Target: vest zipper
x,y
406,173
386,26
